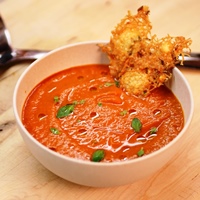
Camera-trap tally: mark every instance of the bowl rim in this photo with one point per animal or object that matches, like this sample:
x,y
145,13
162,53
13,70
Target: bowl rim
x,y
88,162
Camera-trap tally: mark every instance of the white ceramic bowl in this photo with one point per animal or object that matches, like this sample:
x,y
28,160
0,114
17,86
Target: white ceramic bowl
x,y
86,172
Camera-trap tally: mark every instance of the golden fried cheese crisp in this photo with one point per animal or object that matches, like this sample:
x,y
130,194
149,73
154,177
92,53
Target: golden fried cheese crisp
x,y
140,61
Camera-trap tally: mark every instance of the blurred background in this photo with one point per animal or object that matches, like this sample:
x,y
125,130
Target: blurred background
x,y
50,24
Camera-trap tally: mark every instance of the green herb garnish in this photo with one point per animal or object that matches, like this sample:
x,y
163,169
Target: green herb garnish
x,y
75,102
108,84
79,102
117,84
82,101
55,131
124,112
98,155
65,110
136,125
99,104
140,152
56,99
153,130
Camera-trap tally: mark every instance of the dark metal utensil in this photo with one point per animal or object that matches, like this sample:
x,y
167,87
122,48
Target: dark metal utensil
x,y
10,55
192,61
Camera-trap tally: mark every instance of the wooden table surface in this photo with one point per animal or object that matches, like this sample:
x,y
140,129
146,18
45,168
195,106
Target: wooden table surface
x,y
51,24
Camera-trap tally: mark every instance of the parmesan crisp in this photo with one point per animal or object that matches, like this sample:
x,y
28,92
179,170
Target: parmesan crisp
x,y
139,60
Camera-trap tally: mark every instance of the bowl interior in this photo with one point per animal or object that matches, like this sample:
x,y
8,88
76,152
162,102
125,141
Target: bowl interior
x,y
82,54
55,61
180,87
88,53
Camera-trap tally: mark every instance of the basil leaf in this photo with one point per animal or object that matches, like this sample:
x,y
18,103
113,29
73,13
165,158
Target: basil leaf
x,y
55,131
136,125
98,155
65,110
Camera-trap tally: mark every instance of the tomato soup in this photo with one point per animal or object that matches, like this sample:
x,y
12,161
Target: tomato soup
x,y
82,112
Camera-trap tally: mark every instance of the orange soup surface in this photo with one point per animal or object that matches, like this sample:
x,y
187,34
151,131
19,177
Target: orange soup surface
x,y
80,110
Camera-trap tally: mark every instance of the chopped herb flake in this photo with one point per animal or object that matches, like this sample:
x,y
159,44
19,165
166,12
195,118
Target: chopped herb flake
x,y
75,102
153,130
55,131
117,84
108,84
124,112
140,152
100,104
79,102
56,99
82,101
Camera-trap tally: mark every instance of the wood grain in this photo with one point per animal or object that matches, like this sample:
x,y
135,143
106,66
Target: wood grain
x,y
50,24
